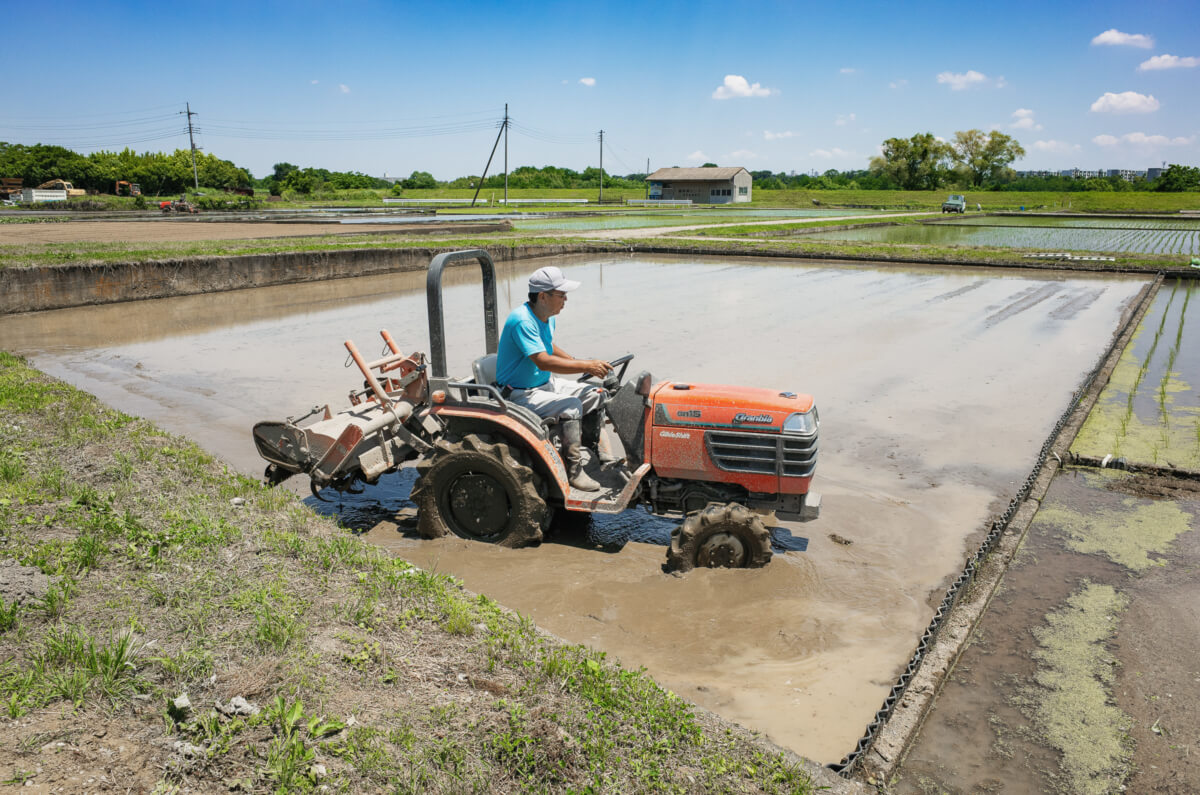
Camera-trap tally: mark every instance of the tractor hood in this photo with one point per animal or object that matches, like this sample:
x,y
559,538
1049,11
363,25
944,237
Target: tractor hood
x,y
722,406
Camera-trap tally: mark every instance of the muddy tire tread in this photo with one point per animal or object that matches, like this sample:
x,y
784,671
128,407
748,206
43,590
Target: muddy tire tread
x,y
485,451
688,538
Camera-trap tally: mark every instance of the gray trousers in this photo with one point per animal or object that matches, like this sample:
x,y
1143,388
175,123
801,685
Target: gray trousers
x,y
560,399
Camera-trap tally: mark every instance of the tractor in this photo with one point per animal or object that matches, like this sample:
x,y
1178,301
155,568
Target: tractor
x,y
491,470
180,206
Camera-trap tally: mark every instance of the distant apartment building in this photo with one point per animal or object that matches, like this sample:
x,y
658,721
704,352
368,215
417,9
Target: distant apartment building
x,y
702,185
1127,174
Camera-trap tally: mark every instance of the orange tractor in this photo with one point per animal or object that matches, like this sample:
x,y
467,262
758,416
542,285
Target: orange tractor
x,y
179,206
490,470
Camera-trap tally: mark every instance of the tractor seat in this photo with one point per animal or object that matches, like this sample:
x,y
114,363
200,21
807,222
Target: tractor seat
x,y
484,370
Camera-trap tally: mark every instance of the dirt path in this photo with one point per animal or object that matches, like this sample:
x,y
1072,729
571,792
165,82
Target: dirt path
x,y
180,231
655,231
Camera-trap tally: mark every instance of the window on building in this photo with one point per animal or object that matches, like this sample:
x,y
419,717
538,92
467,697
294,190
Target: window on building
x,y
742,191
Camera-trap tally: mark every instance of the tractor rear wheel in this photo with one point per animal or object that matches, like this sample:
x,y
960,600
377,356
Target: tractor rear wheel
x,y
720,536
482,489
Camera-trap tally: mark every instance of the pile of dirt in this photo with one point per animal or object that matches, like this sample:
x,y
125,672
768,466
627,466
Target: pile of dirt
x,y
22,585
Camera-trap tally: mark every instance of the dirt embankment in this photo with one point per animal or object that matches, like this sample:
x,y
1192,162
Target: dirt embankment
x,y
195,229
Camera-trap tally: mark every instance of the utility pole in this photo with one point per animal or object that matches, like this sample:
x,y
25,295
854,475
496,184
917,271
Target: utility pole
x,y
192,141
601,167
505,128
647,179
503,132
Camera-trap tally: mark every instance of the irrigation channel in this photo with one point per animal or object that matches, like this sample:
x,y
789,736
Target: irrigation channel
x,y
936,386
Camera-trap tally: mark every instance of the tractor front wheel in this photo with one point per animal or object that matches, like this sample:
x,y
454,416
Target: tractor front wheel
x,y
720,536
481,489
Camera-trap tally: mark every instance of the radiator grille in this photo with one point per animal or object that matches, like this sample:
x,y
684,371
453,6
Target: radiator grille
x,y
763,454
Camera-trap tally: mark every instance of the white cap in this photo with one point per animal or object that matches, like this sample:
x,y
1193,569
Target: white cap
x,y
550,278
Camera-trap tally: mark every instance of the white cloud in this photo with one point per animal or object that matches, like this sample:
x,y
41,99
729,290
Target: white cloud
x,y
1056,147
314,82
901,83
1141,139
958,82
345,89
829,154
1125,102
1168,62
742,154
1023,120
776,136
1117,38
588,81
698,156
738,86
843,120
847,70
1001,82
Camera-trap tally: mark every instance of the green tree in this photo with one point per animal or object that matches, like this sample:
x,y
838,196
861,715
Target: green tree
x,y
420,179
1178,178
985,157
917,163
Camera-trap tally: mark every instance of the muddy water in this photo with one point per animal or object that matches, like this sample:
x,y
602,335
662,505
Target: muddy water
x,y
936,389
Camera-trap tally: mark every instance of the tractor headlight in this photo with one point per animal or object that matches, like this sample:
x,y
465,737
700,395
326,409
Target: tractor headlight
x,y
802,422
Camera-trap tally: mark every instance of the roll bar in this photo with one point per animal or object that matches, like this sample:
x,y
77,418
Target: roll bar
x,y
433,295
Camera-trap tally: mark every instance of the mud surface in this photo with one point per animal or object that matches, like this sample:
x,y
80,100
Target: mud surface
x,y
936,389
1107,710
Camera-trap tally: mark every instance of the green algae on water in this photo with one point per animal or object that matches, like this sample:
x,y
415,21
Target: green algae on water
x,y
1172,436
1071,701
1126,536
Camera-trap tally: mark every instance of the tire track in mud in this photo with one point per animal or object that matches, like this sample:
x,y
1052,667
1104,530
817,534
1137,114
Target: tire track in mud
x,y
1073,306
1029,298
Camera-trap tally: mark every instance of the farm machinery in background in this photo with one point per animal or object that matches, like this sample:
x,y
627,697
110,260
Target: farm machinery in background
x,y
180,206
491,471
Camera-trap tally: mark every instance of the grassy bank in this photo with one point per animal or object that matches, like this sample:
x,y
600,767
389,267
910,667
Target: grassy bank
x,y
165,622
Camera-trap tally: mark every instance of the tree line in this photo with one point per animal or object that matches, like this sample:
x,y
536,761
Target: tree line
x,y
980,160
973,159
158,173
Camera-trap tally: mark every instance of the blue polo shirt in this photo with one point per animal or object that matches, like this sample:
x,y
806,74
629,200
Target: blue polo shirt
x,y
524,334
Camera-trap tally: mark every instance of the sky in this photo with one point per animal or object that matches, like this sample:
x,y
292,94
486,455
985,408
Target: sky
x,y
395,87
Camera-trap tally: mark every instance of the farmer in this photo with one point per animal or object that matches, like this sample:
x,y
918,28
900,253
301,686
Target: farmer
x,y
528,364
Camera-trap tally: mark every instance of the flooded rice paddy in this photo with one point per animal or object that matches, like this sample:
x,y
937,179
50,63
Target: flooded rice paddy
x,y
936,388
1150,412
1142,236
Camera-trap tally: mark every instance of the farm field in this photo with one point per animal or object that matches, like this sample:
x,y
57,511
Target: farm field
x,y
1176,237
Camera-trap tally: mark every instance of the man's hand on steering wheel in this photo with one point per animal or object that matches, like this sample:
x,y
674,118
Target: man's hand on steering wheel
x,y
597,368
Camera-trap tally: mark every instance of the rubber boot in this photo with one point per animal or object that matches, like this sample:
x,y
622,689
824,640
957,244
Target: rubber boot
x,y
595,439
572,447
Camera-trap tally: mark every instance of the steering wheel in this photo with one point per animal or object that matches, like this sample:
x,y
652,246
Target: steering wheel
x,y
620,361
